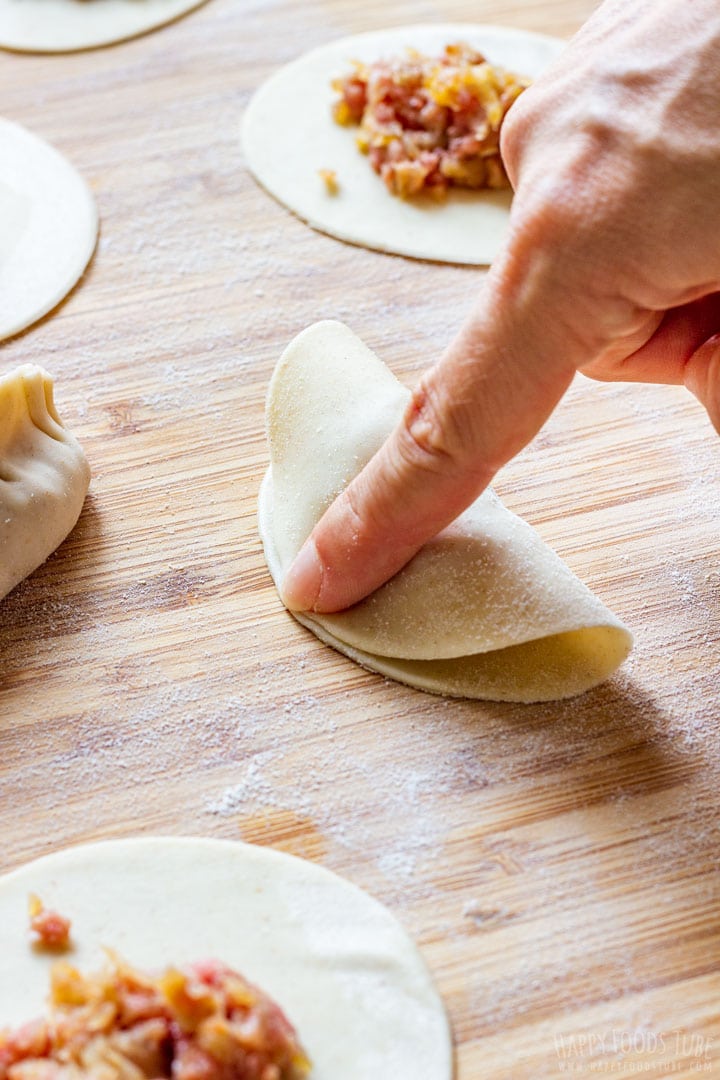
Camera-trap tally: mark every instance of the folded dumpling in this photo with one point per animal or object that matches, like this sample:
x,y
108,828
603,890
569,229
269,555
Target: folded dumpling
x,y
485,610
44,475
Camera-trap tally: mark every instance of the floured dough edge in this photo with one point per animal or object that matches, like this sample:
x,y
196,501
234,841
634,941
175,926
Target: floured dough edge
x,y
44,475
48,228
528,673
336,961
284,156
56,26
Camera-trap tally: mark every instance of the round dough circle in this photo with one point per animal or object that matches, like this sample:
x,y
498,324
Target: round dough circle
x,y
48,227
70,25
284,150
336,961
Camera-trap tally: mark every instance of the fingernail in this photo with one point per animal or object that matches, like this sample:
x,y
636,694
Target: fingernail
x,y
303,580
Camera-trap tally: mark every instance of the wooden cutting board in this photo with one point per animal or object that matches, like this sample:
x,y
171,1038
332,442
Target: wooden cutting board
x,y
557,864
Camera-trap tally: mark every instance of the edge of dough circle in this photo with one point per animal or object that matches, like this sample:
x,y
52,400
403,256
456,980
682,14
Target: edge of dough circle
x,y
50,26
337,962
48,227
285,156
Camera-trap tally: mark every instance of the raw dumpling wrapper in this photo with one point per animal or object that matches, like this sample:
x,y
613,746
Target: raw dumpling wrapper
x,y
338,963
485,610
51,26
44,475
289,136
48,227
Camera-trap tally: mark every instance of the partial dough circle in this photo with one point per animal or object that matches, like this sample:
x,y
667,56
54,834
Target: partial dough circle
x,y
285,148
48,227
334,959
485,609
50,26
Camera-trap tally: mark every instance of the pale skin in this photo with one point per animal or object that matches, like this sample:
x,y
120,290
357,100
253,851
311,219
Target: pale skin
x,y
612,267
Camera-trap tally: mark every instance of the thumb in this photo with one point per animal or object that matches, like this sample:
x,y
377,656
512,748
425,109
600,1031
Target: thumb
x,y
702,377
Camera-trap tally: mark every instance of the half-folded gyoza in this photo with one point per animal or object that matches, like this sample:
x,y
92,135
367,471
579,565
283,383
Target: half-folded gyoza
x,y
485,610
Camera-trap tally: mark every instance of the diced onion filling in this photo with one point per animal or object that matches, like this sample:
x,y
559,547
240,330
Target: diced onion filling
x,y
204,1022
428,123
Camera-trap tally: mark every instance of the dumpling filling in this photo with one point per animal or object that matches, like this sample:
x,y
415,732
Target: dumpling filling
x,y
203,1022
429,123
50,929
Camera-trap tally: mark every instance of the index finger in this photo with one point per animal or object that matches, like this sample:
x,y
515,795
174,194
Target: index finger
x,y
489,394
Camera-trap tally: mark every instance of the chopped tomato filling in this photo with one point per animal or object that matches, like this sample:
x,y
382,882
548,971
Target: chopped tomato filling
x,y
428,123
51,929
204,1022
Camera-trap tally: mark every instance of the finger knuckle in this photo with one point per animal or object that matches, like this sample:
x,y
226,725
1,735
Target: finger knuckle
x,y
358,514
428,440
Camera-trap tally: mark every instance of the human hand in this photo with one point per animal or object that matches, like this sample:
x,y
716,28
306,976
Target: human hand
x,y
612,267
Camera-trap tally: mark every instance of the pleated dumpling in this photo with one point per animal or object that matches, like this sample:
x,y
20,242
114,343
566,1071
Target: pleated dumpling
x,y
485,610
44,475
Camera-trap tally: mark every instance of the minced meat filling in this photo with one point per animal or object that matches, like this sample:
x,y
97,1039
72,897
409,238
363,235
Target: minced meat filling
x,y
429,123
204,1022
50,929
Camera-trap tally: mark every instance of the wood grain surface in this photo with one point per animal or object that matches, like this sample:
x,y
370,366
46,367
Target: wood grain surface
x,y
558,865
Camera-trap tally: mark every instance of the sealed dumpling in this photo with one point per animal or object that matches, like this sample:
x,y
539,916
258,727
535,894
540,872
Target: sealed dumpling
x,y
44,475
485,610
